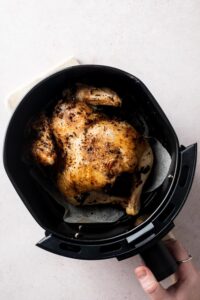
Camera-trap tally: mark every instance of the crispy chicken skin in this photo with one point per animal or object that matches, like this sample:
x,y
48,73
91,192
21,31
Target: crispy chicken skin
x,y
97,96
145,163
97,156
144,159
94,149
43,147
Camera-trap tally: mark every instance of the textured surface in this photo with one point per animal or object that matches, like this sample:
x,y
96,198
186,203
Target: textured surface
x,y
159,42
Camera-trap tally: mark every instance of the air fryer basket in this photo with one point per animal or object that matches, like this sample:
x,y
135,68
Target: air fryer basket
x,y
120,239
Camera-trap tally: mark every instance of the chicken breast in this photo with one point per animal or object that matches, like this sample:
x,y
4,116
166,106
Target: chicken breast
x,y
144,158
94,149
97,156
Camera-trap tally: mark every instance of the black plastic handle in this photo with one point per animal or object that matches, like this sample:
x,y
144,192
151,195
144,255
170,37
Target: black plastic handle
x,y
188,158
159,260
157,256
58,246
182,186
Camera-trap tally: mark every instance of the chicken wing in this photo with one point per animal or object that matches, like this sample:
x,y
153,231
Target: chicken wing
x,y
97,96
43,147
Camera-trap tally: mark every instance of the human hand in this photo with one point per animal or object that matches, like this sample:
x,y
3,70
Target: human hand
x,y
187,286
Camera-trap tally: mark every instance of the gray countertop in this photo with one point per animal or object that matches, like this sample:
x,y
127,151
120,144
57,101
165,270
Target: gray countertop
x,y
159,42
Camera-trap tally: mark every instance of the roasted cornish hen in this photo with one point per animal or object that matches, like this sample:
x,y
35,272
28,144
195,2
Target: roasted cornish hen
x,y
94,149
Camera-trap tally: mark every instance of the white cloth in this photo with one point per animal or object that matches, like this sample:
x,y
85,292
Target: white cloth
x,y
15,97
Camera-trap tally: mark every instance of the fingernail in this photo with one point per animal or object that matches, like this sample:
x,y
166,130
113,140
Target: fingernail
x,y
146,280
141,273
170,241
169,237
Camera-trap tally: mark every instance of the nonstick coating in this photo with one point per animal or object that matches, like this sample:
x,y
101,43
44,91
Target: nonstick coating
x,y
137,100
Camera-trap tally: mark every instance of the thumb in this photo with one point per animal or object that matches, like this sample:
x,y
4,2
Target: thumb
x,y
149,284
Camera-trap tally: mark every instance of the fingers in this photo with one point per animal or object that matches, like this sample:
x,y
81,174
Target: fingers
x,y
149,283
185,270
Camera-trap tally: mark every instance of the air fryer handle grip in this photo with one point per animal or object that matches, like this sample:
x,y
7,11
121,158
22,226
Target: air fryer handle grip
x,y
188,157
159,260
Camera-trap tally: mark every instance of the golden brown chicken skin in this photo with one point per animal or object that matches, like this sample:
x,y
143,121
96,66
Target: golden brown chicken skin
x,y
97,156
94,149
97,96
43,147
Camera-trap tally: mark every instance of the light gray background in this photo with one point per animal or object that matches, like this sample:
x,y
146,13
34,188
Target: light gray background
x,y
158,41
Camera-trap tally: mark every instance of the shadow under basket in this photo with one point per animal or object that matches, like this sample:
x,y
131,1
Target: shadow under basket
x,y
120,239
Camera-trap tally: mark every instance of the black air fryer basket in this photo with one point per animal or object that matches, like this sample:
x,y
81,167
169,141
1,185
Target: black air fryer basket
x,y
120,239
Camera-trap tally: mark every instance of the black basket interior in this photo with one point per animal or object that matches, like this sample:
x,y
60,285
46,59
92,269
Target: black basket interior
x,y
137,101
